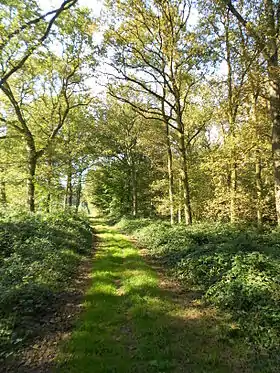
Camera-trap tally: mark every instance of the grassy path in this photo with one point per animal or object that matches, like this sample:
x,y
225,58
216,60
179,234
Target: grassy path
x,y
133,322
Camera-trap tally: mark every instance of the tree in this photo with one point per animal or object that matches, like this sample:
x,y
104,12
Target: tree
x,y
77,148
24,29
159,55
265,33
125,167
48,84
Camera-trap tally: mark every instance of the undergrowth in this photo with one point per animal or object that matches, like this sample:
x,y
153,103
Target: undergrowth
x,y
237,269
38,256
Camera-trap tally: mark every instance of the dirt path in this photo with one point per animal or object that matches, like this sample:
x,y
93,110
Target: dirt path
x,y
137,320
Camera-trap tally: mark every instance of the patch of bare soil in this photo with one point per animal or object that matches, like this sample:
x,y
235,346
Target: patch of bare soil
x,y
56,326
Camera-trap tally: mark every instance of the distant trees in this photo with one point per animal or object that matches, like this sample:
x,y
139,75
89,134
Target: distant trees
x,y
260,21
172,62
182,128
120,182
157,51
264,29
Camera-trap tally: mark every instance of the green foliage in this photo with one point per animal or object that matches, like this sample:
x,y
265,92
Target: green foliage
x,y
110,187
128,225
236,267
39,255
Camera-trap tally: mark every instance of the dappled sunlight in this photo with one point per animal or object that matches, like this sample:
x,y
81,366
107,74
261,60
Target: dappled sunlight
x,y
133,324
194,312
102,288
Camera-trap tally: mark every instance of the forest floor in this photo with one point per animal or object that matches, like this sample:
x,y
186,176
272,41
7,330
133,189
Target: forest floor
x,y
136,319
39,355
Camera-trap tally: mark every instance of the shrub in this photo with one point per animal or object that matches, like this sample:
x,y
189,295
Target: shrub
x,y
236,267
39,256
127,225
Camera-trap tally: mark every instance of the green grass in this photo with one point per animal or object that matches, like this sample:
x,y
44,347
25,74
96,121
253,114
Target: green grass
x,y
134,321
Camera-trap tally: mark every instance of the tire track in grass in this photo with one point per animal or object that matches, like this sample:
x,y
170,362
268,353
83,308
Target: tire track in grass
x,y
132,324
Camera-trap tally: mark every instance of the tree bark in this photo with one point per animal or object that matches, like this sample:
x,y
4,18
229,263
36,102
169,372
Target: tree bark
x,y
3,195
185,179
31,166
259,188
258,163
233,186
48,207
134,189
274,101
231,113
180,202
272,18
49,184
170,173
79,192
69,189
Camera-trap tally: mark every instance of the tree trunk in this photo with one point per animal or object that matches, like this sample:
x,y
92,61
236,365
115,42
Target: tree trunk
x,y
274,94
79,192
180,202
231,113
275,117
48,207
69,189
49,184
258,164
134,189
259,188
31,166
3,195
170,173
185,180
233,184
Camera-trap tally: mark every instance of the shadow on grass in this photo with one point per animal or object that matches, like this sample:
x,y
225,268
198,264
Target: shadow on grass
x,y
132,324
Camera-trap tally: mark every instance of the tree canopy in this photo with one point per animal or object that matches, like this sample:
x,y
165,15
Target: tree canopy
x,y
186,125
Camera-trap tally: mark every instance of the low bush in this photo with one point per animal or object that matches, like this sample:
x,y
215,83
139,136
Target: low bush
x,y
128,225
236,267
39,255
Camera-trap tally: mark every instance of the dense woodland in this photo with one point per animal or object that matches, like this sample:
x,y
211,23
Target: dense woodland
x,y
185,126
165,113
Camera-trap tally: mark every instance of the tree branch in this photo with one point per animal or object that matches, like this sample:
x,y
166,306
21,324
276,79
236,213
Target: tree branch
x,y
249,27
64,6
35,21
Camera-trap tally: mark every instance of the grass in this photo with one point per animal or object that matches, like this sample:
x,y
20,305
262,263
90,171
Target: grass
x,y
134,320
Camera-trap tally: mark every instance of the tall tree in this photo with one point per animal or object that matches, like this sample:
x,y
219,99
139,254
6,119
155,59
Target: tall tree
x,y
158,53
264,29
48,82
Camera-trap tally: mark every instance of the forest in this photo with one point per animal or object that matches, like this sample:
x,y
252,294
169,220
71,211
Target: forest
x,y
139,145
